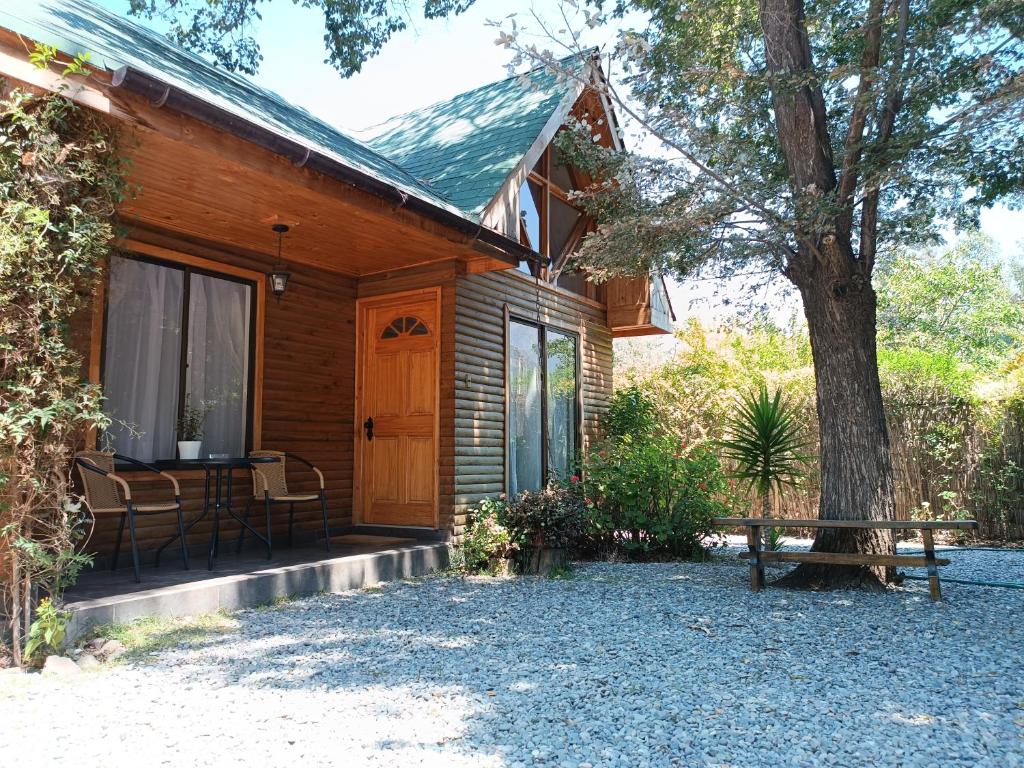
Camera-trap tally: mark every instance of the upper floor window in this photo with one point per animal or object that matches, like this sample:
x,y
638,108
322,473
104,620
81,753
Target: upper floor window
x,y
548,222
175,335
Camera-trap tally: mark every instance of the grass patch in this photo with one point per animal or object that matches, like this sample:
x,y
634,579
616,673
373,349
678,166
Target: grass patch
x,y
563,572
277,604
154,633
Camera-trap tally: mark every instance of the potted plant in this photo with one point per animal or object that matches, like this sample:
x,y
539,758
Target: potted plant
x,y
190,428
545,526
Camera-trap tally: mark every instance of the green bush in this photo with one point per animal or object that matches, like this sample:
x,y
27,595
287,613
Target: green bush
x,y
499,531
630,412
486,543
555,517
765,445
652,496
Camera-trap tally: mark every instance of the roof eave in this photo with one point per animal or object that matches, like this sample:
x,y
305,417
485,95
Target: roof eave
x,y
162,94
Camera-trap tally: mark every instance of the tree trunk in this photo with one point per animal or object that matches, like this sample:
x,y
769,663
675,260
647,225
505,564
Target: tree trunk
x,y
15,608
766,511
839,302
856,465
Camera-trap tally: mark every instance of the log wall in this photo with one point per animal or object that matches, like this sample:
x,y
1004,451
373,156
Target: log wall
x,y
479,372
308,382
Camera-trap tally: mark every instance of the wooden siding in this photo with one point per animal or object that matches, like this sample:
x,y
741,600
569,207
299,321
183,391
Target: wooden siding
x,y
479,372
309,355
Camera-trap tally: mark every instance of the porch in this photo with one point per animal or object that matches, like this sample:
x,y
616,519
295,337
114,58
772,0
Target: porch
x,y
359,557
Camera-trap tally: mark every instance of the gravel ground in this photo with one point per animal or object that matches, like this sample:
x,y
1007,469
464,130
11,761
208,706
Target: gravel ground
x,y
621,665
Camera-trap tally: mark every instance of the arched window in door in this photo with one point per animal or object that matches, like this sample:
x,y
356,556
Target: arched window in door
x,y
405,326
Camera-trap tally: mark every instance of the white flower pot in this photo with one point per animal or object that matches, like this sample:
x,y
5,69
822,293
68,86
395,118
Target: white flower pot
x,y
189,449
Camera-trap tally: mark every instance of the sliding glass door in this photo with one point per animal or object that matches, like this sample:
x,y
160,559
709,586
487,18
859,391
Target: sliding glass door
x,y
543,405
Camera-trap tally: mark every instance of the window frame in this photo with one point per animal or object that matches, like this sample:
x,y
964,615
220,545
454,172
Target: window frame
x,y
542,337
188,265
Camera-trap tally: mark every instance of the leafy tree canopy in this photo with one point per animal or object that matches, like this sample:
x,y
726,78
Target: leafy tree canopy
x,y
959,303
354,30
921,114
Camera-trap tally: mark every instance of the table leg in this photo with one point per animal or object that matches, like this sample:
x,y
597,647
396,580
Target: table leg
x,y
933,570
215,533
756,568
192,523
231,475
244,523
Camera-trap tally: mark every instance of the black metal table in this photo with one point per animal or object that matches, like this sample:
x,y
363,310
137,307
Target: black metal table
x,y
215,469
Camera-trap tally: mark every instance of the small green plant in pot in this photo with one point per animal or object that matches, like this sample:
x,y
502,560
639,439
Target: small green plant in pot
x,y
546,526
765,448
190,428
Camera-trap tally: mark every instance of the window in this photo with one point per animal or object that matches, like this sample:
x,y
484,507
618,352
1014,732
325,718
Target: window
x,y
548,222
543,413
405,326
176,334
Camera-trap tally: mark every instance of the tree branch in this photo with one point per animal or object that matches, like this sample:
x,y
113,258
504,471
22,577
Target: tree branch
x,y
886,125
606,88
853,145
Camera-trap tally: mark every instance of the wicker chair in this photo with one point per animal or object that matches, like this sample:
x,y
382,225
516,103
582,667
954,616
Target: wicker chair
x,y
270,485
107,493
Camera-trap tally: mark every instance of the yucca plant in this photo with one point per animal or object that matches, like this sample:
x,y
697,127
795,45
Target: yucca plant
x,y
764,445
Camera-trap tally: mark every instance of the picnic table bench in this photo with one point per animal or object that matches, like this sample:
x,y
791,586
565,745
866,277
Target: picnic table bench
x,y
758,556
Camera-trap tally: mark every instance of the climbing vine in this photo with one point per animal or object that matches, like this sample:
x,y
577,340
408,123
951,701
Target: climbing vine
x,y
60,181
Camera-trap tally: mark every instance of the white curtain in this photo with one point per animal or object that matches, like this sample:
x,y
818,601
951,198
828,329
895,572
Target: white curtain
x,y
141,358
524,393
218,360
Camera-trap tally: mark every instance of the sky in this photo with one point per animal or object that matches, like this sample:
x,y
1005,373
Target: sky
x,y
434,60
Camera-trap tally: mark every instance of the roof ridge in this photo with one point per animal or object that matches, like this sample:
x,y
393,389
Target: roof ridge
x,y
484,86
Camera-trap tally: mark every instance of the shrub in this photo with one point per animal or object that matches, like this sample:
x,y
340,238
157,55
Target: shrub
x,y
555,517
765,445
651,496
486,543
630,412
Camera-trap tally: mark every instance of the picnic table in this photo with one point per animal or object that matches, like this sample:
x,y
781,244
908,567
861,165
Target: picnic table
x,y
758,556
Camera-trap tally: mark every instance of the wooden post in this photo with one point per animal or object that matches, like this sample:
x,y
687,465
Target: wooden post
x,y
933,571
756,568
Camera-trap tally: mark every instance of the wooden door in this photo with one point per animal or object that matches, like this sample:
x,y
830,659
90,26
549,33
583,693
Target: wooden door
x,y
397,392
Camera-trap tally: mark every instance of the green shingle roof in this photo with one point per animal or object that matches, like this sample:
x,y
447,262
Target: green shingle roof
x,y
112,41
454,154
467,146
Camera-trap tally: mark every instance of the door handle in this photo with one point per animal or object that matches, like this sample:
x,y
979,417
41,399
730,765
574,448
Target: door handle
x,y
368,426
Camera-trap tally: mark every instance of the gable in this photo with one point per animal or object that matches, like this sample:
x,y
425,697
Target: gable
x,y
502,213
468,146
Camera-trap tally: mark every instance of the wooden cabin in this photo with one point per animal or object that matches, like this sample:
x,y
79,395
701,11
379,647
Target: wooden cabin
x,y
426,291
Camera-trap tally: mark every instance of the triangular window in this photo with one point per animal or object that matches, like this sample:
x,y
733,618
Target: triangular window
x,y
548,222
